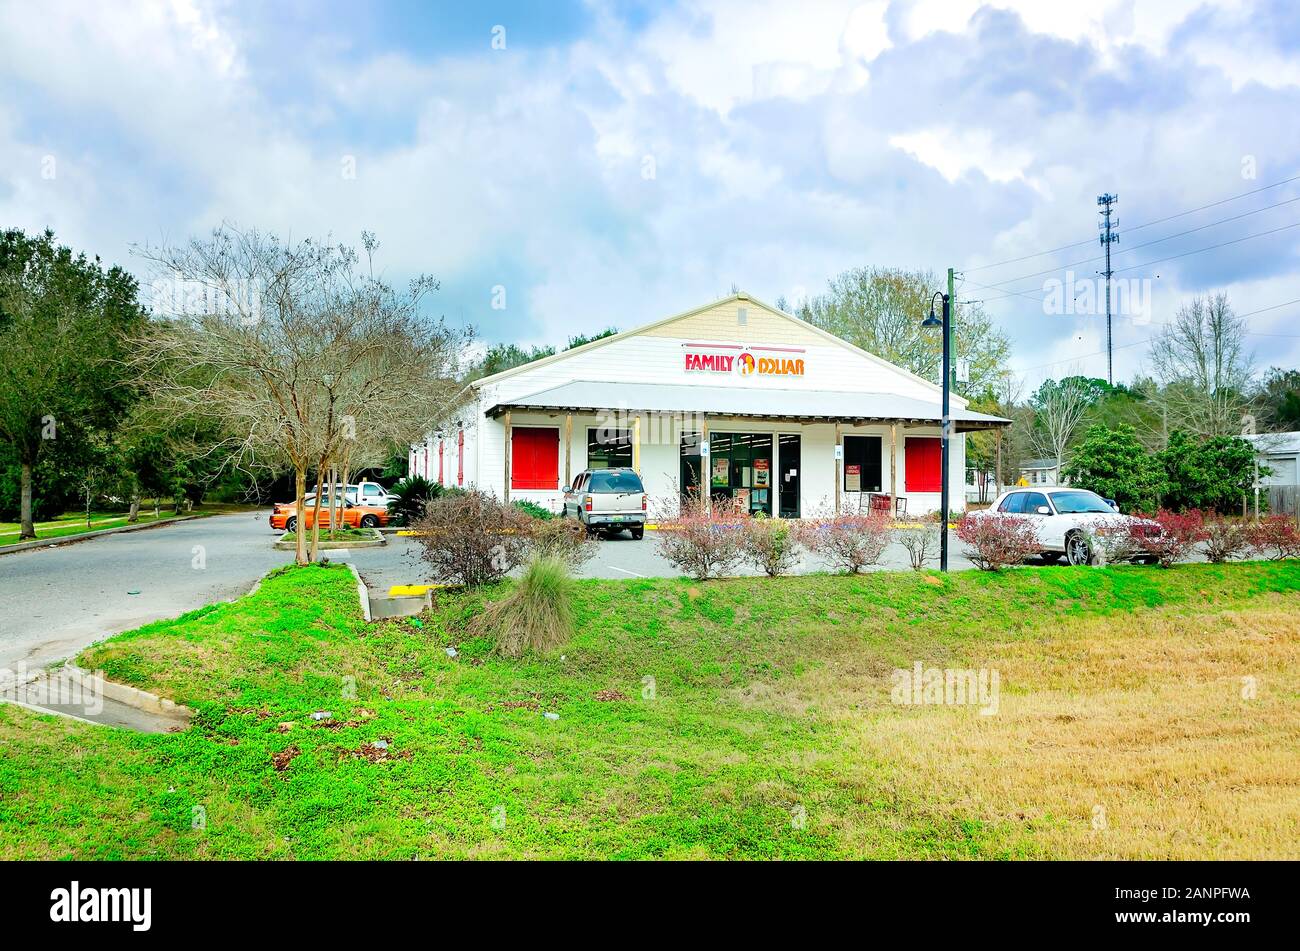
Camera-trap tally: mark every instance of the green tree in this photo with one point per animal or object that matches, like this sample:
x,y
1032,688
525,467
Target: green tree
x,y
1112,463
64,319
881,309
1276,402
1214,473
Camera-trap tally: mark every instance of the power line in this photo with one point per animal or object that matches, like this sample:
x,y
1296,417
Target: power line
x,y
1145,244
1148,339
1173,257
1145,224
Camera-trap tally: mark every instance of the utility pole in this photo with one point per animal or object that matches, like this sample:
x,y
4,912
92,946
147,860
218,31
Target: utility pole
x,y
1108,237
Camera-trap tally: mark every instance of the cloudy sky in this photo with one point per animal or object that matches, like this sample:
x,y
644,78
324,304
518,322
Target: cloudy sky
x,y
617,162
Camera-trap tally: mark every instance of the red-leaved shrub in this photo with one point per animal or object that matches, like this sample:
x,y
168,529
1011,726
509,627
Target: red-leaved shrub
x,y
703,540
1179,533
850,542
1223,538
994,540
1275,536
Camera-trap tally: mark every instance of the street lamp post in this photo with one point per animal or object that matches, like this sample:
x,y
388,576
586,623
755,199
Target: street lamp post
x,y
942,325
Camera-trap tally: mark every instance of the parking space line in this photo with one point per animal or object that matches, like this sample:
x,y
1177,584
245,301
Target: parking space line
x,y
626,572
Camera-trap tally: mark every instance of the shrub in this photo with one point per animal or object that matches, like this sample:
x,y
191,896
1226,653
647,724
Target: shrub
x,y
1223,538
703,541
1275,537
920,540
1179,533
1113,541
410,497
851,542
995,541
562,538
471,538
771,545
536,615
533,509
1214,473
1114,464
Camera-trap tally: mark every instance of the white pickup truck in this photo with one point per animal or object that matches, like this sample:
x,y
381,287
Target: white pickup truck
x,y
1064,519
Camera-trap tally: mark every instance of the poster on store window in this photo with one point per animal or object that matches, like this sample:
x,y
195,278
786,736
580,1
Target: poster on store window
x,y
721,474
853,478
761,469
742,499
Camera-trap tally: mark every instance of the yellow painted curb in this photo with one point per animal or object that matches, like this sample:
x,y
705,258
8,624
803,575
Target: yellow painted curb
x,y
414,590
407,531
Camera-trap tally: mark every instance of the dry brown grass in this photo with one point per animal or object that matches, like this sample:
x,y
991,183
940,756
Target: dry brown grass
x,y
1138,720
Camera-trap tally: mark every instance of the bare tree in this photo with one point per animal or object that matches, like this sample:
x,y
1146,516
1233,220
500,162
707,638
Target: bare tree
x,y
293,350
1059,408
1202,361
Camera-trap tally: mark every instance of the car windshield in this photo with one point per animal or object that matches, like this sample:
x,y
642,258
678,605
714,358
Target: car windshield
x,y
615,480
1079,503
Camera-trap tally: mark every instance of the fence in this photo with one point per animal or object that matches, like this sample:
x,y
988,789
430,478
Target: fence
x,y
1283,499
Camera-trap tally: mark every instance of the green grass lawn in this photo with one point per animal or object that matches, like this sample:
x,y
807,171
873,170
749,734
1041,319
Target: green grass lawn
x,y
748,718
74,523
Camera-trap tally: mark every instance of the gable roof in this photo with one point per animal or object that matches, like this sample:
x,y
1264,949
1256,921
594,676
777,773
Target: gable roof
x,y
741,296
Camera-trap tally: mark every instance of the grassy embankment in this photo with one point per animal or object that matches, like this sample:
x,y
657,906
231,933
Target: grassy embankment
x,y
739,719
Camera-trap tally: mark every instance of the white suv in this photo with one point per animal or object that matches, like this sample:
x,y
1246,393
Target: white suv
x,y
1064,519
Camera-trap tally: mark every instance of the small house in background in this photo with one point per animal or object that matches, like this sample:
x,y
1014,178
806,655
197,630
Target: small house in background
x,y
1041,472
1279,459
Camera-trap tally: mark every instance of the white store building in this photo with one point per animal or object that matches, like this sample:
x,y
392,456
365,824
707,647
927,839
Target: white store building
x,y
755,404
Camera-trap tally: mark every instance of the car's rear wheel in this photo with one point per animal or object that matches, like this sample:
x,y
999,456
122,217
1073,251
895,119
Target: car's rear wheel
x,y
1077,550
292,524
638,533
369,521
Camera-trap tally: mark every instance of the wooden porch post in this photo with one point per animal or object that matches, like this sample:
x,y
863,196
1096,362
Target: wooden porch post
x,y
636,443
508,448
706,467
893,468
568,449
839,464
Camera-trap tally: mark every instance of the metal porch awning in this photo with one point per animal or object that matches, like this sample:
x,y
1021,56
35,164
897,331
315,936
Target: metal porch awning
x,y
752,402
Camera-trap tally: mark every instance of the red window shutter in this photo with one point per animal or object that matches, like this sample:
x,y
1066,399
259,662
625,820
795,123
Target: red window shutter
x,y
460,457
440,482
534,458
922,464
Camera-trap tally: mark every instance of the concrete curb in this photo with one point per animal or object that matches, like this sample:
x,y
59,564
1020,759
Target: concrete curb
x,y
378,542
98,533
362,592
132,696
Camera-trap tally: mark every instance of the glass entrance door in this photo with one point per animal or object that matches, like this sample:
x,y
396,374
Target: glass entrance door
x,y
788,482
740,469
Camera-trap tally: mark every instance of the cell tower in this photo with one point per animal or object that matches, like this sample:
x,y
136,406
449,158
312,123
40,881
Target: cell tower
x,y
1108,237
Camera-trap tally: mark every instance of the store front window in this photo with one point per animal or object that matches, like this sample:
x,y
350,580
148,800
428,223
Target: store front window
x,y
862,465
609,448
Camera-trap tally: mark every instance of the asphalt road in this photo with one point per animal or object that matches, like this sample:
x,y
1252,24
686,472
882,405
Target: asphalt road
x,y
55,601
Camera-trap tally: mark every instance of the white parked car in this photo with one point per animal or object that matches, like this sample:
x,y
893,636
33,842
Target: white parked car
x,y
1065,518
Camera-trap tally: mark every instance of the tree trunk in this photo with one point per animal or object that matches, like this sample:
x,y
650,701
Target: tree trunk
x,y
27,529
321,476
133,515
300,524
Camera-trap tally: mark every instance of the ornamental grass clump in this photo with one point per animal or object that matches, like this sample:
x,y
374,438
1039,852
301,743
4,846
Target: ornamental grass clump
x,y
537,613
